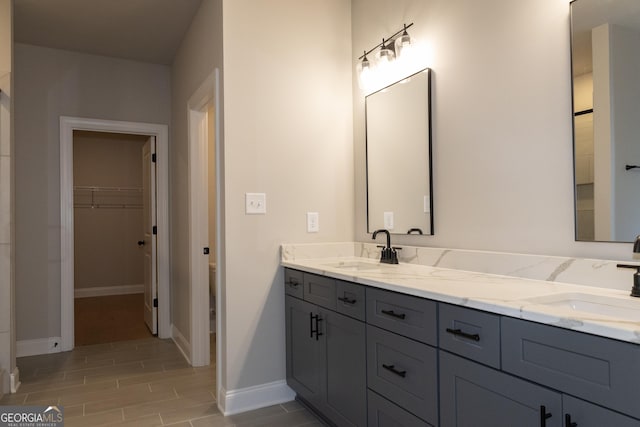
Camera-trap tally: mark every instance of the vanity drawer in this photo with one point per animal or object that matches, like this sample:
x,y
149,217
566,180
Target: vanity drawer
x,y
404,371
597,369
293,282
320,290
350,299
470,333
383,413
406,315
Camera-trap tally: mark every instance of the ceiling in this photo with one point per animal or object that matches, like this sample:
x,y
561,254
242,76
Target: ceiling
x,y
588,14
141,30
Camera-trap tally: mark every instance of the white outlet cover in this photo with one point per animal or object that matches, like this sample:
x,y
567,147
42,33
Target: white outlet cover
x,y
313,222
388,220
255,203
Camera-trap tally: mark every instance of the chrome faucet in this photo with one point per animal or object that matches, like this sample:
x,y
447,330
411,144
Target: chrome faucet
x,y
389,255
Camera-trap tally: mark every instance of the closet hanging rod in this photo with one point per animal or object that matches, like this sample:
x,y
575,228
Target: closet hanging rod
x,y
114,189
106,206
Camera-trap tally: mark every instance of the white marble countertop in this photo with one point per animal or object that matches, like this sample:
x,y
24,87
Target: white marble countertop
x,y
605,312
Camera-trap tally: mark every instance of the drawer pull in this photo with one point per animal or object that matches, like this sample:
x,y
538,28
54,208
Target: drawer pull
x,y
394,314
544,416
460,333
347,300
567,421
293,284
392,368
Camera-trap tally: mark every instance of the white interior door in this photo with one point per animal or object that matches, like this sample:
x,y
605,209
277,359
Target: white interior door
x,y
149,242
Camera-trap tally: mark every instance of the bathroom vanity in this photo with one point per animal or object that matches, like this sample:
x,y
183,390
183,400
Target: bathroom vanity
x,y
412,345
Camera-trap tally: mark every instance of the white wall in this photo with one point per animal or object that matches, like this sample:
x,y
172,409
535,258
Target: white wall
x,y
288,133
50,83
198,56
625,91
502,141
7,323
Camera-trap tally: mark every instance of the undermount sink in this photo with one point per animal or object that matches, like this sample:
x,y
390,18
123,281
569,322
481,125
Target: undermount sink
x,y
621,308
354,265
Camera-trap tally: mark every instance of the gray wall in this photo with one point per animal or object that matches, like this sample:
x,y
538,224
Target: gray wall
x,y
50,83
199,54
502,141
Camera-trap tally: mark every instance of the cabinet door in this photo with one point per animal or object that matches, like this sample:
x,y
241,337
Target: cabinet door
x,y
472,395
345,352
305,360
585,414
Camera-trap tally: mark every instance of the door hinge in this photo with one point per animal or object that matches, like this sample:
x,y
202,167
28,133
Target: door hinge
x,y
155,302
153,158
155,229
205,251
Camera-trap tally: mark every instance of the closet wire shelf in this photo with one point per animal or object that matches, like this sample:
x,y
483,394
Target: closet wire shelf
x,y
94,197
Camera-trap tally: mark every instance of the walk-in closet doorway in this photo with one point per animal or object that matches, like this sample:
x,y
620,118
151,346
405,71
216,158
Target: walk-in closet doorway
x,y
112,176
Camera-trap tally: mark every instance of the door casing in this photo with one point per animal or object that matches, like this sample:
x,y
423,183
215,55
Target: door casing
x,y
161,132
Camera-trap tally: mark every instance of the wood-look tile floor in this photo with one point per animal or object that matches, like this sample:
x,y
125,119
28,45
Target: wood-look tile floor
x,y
141,383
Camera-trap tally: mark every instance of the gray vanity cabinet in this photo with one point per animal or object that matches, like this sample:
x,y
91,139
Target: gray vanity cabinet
x,y
364,356
326,353
473,395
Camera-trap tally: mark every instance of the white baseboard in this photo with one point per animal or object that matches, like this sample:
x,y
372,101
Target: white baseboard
x,y
247,399
103,291
15,380
181,342
39,346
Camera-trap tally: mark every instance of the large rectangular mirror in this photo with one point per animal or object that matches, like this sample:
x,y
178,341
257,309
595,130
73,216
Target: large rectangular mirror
x,y
398,126
605,50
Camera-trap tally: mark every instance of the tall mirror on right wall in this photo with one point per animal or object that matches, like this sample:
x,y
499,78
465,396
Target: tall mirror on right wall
x,y
605,50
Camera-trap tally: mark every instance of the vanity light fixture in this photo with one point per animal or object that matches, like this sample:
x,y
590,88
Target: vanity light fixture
x,y
391,49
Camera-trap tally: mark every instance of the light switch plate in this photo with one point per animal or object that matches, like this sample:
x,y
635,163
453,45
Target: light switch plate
x,y
255,203
313,222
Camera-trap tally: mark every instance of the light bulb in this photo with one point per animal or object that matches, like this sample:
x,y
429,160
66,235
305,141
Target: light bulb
x,y
384,55
364,72
403,42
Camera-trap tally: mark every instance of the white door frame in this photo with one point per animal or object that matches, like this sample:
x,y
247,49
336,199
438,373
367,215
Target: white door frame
x,y
206,95
161,132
